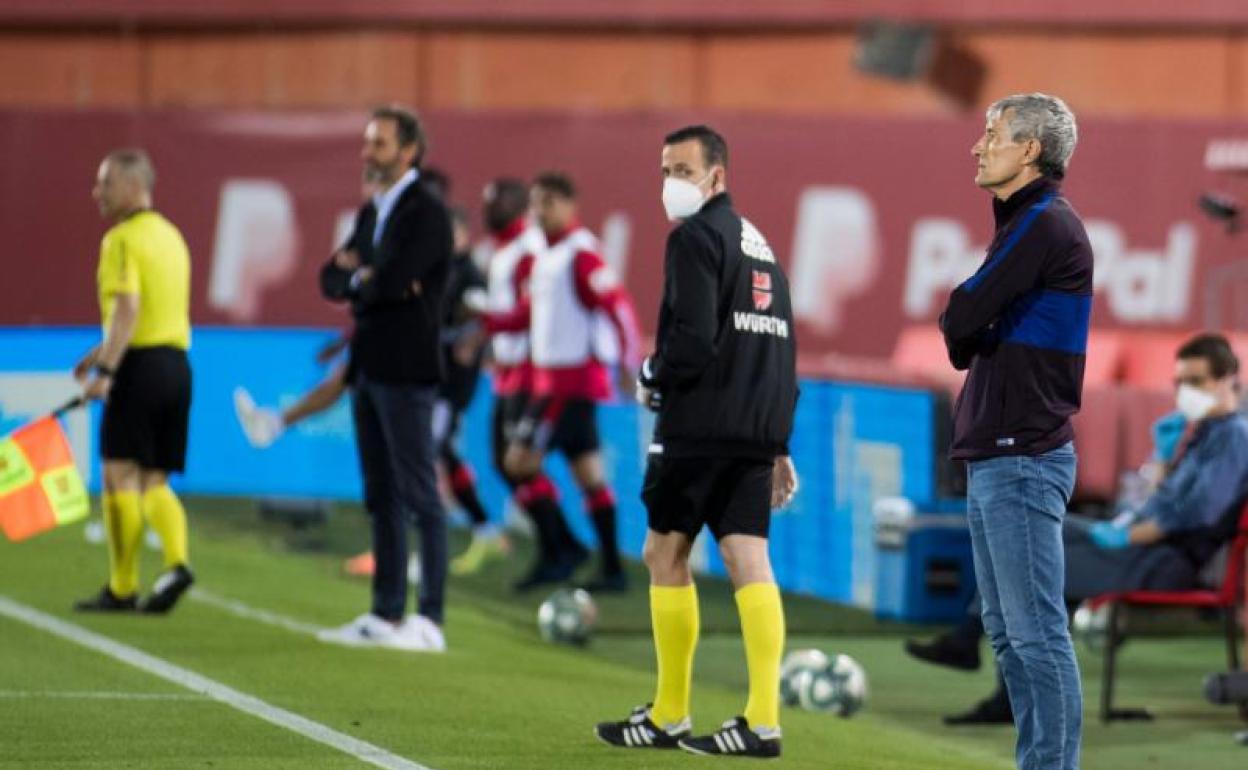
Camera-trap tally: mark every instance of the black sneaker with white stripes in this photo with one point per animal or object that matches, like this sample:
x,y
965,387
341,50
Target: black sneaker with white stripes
x,y
168,589
640,732
736,739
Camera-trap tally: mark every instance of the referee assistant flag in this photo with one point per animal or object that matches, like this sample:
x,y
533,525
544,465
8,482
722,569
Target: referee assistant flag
x,y
40,488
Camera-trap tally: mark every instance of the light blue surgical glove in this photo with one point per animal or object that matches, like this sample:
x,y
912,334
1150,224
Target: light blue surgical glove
x,y
1109,537
1166,434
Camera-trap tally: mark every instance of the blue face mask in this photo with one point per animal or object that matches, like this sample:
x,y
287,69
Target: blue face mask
x,y
1166,434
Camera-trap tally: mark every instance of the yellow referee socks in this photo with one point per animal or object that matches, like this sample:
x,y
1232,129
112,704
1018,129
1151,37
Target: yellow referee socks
x,y
165,515
123,522
674,615
762,627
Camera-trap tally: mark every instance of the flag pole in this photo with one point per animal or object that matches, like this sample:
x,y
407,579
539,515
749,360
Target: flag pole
x,y
69,406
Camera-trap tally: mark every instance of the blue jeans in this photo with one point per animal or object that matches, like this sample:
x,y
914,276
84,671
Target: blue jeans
x,y
1015,507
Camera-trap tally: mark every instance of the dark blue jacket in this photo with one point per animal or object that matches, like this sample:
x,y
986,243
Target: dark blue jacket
x,y
1020,324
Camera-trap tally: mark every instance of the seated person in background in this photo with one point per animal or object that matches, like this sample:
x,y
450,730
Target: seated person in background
x,y
1165,544
1136,486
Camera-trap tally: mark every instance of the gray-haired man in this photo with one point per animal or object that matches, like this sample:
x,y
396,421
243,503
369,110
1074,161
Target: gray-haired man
x,y
1020,324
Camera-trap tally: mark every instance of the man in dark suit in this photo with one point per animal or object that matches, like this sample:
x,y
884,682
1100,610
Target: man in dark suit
x,y
393,271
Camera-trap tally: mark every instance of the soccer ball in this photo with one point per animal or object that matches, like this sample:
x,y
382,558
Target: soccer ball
x,y
795,663
567,617
839,687
1091,626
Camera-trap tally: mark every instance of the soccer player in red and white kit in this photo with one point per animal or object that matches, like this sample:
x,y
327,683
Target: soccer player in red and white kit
x,y
581,326
515,241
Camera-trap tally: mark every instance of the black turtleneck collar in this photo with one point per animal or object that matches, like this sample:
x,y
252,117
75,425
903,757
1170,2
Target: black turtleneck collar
x,y
1004,210
716,201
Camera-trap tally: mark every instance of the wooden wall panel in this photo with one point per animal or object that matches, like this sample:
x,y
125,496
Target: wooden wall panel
x,y
561,71
69,70
1114,73
330,69
1237,76
1102,72
803,73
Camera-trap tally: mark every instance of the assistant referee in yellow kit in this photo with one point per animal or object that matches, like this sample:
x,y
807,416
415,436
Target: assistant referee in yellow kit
x,y
142,374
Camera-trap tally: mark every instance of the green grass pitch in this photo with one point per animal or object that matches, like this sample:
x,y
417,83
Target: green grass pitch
x,y
500,698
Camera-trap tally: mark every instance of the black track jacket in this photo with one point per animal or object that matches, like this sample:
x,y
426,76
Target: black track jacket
x,y
725,352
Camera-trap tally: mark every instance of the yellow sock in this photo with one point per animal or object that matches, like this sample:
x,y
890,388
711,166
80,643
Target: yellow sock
x,y
674,615
123,522
165,515
762,627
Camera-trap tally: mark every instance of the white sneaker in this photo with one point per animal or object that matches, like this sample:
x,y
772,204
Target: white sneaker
x,y
420,634
367,630
261,426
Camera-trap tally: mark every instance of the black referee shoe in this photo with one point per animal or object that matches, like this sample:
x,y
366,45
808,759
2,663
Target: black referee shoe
x,y
168,589
735,739
107,601
640,732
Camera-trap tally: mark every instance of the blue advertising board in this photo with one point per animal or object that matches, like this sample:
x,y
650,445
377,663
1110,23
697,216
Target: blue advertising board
x,y
852,444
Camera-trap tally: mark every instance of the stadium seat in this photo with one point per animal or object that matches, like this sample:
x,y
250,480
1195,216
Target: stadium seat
x,y
1227,598
1098,441
861,369
1104,360
1148,358
1140,408
920,351
1239,343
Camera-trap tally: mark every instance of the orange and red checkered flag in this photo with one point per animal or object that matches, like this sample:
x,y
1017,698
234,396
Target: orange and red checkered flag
x,y
40,487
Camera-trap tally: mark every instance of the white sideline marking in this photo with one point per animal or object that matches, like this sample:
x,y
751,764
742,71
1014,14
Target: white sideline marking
x,y
96,695
235,607
248,704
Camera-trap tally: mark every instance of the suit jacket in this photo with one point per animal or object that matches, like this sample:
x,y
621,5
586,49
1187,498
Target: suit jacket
x,y
397,329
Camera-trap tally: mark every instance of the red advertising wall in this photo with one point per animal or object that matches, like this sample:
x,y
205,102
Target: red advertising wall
x,y
875,219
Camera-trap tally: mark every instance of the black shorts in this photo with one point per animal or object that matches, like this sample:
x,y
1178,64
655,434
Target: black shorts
x,y
730,495
507,413
148,409
568,425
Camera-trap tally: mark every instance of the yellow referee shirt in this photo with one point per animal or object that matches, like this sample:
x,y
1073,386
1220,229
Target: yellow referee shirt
x,y
145,255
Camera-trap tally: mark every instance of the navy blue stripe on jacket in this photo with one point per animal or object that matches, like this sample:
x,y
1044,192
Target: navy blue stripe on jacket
x,y
1049,320
1020,325
998,256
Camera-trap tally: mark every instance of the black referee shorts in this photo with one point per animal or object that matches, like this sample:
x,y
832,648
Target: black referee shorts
x,y
553,423
148,409
730,495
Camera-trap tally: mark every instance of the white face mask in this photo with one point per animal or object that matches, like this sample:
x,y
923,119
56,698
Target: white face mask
x,y
682,198
1194,403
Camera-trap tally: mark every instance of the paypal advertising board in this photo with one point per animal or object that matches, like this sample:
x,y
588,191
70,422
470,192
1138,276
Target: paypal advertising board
x,y
262,198
851,443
